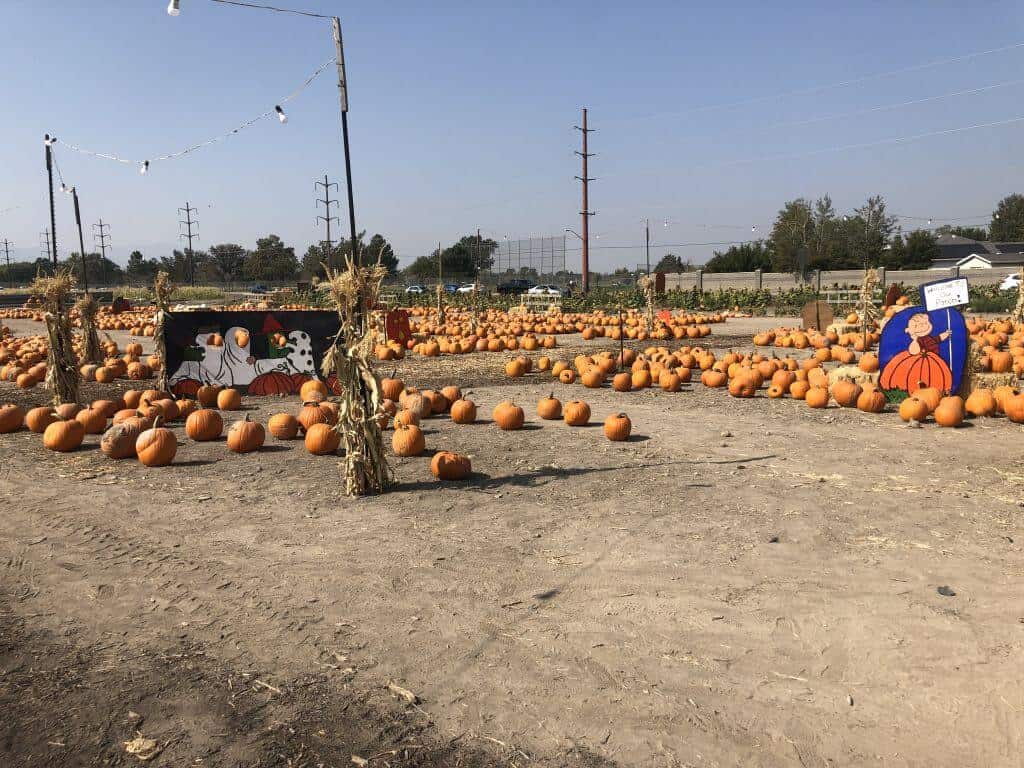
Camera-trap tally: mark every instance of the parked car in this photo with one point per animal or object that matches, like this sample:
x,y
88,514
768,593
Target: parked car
x,y
467,288
259,289
517,285
1012,282
545,290
415,290
451,287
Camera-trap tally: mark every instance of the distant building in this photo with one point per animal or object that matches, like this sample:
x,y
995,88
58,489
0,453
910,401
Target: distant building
x,y
964,253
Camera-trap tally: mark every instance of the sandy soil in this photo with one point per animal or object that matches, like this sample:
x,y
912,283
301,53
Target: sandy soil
x,y
743,583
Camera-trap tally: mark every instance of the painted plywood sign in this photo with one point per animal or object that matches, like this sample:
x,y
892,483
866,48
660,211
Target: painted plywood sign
x,y
920,349
261,353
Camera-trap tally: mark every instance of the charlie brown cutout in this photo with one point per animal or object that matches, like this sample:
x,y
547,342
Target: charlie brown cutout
x,y
920,365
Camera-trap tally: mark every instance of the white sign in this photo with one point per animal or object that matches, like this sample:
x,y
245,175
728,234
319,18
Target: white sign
x,y
948,293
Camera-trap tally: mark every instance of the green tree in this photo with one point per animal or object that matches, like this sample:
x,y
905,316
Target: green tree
x,y
379,250
228,259
271,260
1008,220
746,257
140,269
921,250
481,251
672,263
867,234
101,271
971,233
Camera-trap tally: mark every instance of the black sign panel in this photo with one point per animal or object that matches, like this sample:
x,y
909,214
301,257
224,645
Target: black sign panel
x,y
258,352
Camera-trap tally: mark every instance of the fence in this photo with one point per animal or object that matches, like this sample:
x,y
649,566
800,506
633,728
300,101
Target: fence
x,y
774,281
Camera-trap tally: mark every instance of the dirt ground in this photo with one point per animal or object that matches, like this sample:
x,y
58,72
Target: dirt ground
x,y
745,582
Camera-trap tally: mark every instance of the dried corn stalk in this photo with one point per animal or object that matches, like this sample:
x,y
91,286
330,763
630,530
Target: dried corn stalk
x,y
365,464
646,283
162,290
87,309
868,311
54,293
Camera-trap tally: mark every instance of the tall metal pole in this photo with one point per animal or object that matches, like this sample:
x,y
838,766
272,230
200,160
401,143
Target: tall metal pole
x,y
647,243
343,99
586,213
327,218
189,210
47,141
81,241
7,253
103,244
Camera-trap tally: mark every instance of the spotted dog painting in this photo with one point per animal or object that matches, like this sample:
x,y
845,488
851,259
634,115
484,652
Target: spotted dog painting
x,y
260,353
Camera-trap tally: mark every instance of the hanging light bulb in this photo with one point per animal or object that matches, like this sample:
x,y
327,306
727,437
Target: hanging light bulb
x,y
63,187
144,168
280,114
174,8
754,228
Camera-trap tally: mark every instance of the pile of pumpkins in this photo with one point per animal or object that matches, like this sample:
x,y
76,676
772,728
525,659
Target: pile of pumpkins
x,y
136,424
743,375
23,361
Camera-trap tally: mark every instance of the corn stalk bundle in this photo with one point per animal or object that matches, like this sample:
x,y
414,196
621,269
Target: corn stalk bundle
x,y
348,358
54,293
440,304
162,290
1018,311
87,309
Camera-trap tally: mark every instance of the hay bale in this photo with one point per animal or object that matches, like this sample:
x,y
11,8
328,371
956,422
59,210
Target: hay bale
x,y
973,380
853,373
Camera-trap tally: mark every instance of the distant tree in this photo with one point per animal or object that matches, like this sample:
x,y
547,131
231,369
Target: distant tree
x,y
380,250
742,258
672,263
140,269
481,251
101,271
229,260
424,268
867,232
1008,220
921,250
971,233
271,260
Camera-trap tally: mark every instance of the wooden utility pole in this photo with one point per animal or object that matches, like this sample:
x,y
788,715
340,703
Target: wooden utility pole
x,y
586,213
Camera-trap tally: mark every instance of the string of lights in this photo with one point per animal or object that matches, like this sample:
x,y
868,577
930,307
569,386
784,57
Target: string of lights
x,y
144,165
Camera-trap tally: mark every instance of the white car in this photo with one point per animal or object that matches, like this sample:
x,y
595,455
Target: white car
x,y
467,288
415,290
545,290
1012,282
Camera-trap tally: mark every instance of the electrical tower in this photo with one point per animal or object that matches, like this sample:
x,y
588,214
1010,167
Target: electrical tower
x,y
586,213
326,202
44,244
101,240
188,234
7,255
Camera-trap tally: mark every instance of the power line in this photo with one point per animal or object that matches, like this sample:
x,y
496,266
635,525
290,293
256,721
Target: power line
x,y
272,8
886,107
840,83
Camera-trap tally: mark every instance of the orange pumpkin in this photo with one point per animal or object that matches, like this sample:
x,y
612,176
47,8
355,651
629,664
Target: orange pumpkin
x,y
156,447
283,426
322,439
508,416
450,466
576,413
618,427
408,440
64,435
204,425
246,436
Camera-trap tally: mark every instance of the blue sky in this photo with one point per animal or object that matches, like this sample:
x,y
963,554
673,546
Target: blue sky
x,y
462,114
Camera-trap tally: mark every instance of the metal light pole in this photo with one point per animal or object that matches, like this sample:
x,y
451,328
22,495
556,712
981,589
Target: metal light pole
x,y
343,100
81,241
647,243
48,142
7,253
